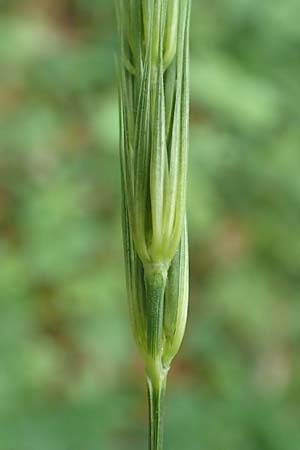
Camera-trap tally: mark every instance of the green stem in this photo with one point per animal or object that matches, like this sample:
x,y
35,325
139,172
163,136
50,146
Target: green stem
x,y
156,400
155,282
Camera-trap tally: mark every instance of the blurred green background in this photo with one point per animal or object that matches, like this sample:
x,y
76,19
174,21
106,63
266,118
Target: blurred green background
x,y
70,376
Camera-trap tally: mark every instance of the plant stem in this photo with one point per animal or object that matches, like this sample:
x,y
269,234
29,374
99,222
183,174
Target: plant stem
x,y
155,283
156,403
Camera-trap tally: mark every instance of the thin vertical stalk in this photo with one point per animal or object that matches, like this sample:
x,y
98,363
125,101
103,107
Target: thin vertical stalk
x,y
155,286
156,404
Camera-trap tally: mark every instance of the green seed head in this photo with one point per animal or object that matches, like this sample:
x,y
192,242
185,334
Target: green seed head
x,y
153,148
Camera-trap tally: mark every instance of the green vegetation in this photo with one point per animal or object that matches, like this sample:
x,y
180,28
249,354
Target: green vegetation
x,y
69,376
154,129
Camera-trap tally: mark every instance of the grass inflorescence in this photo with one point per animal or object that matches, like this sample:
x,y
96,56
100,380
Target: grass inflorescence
x,y
154,118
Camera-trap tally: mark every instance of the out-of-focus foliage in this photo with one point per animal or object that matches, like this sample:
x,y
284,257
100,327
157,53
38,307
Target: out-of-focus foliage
x,y
69,375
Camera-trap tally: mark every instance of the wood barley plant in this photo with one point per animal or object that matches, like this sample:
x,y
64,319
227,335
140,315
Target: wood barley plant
x,y
154,119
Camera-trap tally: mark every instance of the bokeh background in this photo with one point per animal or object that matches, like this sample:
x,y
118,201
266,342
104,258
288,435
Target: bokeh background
x,y
70,376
